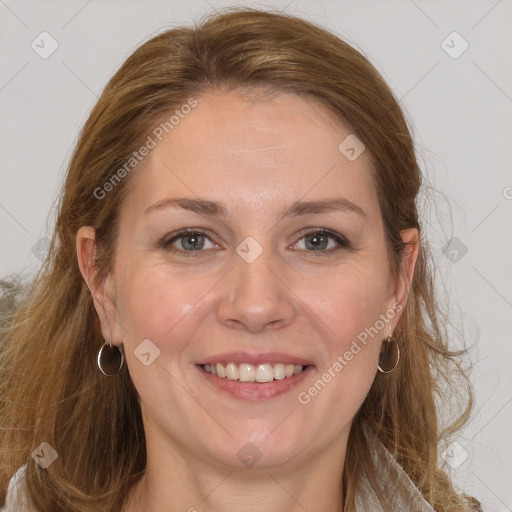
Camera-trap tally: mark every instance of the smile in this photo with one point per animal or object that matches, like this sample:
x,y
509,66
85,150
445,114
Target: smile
x,y
246,372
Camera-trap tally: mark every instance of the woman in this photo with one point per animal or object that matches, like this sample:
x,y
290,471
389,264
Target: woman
x,y
237,309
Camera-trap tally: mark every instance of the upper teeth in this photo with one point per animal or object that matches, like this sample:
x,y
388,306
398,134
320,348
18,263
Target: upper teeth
x,y
254,373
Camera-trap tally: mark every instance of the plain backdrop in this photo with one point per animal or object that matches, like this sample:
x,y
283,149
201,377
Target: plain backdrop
x,y
448,62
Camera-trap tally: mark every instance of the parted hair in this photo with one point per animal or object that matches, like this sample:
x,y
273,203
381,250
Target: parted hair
x,y
50,386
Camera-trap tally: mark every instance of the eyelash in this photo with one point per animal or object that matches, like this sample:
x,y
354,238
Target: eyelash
x,y
166,242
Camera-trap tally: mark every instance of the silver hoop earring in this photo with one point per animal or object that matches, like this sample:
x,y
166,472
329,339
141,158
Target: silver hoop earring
x,y
389,355
110,359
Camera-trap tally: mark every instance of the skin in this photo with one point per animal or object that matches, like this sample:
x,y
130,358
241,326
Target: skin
x,y
257,155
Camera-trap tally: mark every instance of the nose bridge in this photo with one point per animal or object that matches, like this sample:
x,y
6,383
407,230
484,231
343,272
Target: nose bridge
x,y
256,275
256,295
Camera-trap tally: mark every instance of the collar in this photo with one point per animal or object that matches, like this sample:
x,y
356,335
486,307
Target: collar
x,y
393,483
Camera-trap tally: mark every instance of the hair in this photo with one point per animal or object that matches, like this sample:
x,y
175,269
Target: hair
x,y
50,387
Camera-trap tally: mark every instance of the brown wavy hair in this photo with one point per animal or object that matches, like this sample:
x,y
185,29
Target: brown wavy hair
x,y
50,387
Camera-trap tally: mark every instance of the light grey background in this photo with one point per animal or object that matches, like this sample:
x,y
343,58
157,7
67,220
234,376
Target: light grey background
x,y
460,108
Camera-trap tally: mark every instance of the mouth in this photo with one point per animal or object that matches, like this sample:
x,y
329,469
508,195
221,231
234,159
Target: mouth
x,y
254,377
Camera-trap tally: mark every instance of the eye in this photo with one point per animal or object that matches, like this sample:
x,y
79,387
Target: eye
x,y
194,240
317,240
188,240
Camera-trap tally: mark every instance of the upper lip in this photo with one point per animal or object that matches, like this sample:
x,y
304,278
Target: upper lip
x,y
255,358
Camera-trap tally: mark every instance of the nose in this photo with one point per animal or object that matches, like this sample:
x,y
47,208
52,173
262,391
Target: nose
x,y
255,295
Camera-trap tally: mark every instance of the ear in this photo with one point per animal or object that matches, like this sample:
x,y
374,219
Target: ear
x,y
103,293
403,283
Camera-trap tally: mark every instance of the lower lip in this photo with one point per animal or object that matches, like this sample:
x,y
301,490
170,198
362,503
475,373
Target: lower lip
x,y
256,391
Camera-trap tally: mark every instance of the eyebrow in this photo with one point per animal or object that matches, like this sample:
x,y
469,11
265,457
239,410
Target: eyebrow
x,y
217,209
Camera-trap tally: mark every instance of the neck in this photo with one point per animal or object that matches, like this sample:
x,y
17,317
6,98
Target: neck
x,y
189,485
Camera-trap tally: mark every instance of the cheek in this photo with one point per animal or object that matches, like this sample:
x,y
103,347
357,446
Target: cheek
x,y
159,306
153,303
353,333
349,304
348,300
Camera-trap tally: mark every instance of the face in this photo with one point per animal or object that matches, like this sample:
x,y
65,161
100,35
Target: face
x,y
267,281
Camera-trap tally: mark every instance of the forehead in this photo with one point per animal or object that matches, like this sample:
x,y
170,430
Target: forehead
x,y
253,149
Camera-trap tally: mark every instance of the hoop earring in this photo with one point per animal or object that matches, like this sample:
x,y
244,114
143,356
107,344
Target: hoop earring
x,y
110,359
389,355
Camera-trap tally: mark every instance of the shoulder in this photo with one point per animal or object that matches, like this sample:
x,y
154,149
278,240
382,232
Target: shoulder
x,y
17,499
